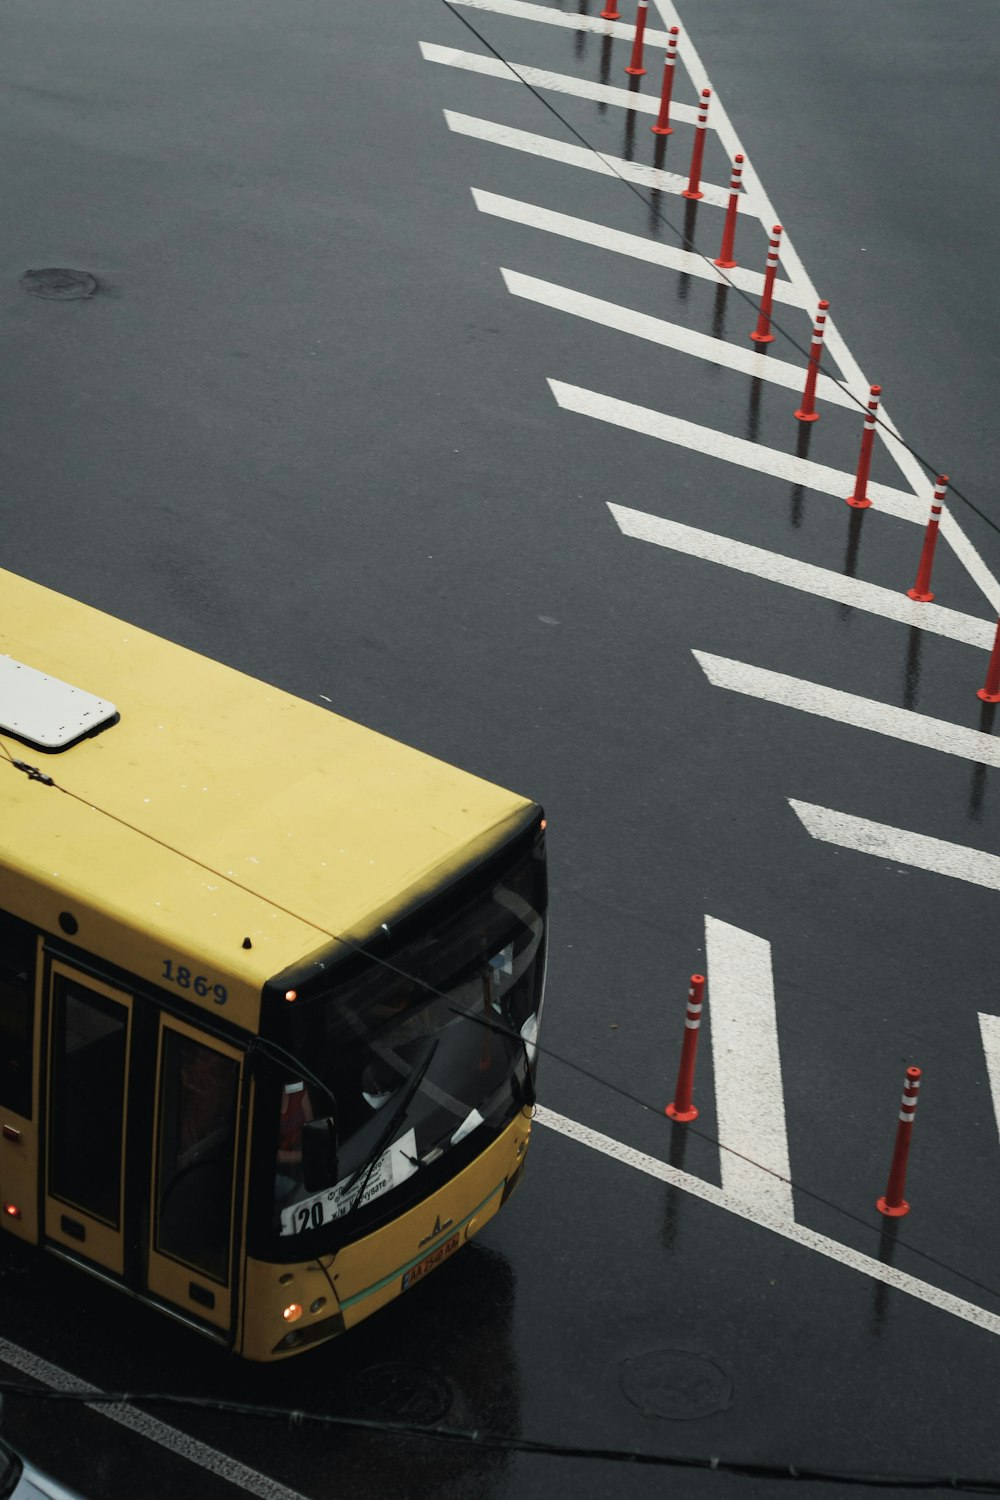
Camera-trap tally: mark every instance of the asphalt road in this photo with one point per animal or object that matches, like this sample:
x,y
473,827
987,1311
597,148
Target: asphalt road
x,y
304,427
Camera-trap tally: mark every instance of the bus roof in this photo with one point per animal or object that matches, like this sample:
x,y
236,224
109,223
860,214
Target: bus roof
x,y
217,810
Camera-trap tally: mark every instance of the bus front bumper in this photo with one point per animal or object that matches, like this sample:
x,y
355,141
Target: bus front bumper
x,y
364,1276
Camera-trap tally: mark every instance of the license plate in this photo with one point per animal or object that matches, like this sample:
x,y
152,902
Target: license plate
x,y
430,1261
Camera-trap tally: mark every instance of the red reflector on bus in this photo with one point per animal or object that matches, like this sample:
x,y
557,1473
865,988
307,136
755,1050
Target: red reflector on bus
x,y
291,994
12,1211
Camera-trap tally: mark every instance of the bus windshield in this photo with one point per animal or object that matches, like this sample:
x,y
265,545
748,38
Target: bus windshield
x,y
425,1054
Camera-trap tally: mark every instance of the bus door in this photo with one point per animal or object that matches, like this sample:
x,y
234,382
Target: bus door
x,y
193,1236
90,1026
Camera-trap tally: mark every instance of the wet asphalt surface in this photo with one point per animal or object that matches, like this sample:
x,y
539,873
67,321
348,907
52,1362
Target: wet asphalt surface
x,y
302,427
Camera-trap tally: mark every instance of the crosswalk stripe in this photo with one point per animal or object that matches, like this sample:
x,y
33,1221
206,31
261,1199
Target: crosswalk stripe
x,y
849,708
669,335
749,1098
824,583
756,202
989,1028
716,444
587,232
583,157
523,10
898,845
553,83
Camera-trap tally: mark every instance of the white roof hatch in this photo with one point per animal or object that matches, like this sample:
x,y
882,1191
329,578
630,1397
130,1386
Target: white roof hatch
x,y
45,712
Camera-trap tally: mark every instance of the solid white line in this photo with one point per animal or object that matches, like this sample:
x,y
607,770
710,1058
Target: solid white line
x,y
734,450
822,582
553,83
755,1213
989,1027
668,335
749,1098
796,271
910,468
899,845
149,1427
849,708
582,156
586,232
521,10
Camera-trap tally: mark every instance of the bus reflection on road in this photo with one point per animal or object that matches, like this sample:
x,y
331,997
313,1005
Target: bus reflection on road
x,y
442,1354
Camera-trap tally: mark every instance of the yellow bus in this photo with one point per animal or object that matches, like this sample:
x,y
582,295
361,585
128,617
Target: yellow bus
x,y
270,985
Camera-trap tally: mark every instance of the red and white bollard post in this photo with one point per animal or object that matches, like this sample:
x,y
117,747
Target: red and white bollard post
x,y
921,590
807,411
859,495
893,1204
729,228
611,12
681,1106
693,189
663,125
762,333
635,66
990,692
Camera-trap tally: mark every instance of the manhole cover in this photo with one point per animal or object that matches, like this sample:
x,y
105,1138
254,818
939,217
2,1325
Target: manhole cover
x,y
59,283
403,1392
676,1383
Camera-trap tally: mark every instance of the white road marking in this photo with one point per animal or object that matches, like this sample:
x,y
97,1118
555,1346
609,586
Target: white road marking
x,y
756,201
989,1027
582,156
822,582
716,444
823,823
898,845
749,1098
745,361
837,349
848,708
778,1223
522,10
553,83
180,1443
586,232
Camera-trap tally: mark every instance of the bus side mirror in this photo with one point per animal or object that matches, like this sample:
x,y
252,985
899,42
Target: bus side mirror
x,y
319,1155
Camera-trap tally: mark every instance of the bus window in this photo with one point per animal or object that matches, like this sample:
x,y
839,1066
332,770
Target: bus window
x,y
89,1034
17,1007
197,1134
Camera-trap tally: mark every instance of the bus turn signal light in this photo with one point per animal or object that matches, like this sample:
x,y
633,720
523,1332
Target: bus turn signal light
x,y
291,994
292,1313
12,1211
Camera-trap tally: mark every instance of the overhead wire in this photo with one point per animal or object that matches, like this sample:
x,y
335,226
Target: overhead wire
x,y
688,244
357,948
477,1438
265,1045
506,1443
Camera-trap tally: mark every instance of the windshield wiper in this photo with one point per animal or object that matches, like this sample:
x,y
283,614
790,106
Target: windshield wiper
x,y
398,1116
